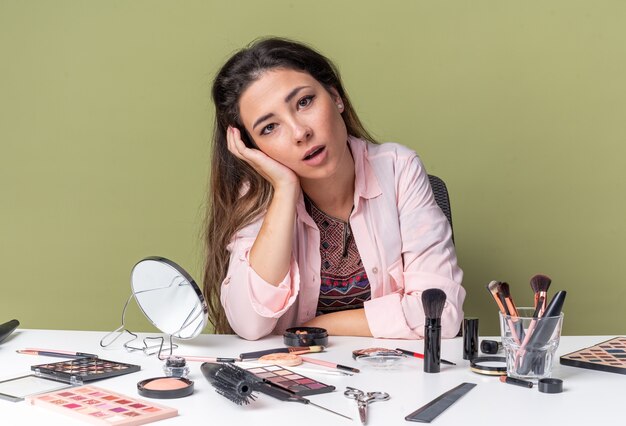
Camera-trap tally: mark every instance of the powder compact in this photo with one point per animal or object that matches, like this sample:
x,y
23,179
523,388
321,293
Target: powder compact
x,y
379,357
489,365
305,336
165,387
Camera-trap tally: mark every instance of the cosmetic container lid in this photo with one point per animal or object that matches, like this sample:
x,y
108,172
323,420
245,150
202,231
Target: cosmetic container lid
x,y
489,347
549,385
305,336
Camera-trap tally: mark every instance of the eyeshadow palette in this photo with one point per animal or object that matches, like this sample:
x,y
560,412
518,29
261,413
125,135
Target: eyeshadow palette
x,y
81,370
292,382
102,407
606,356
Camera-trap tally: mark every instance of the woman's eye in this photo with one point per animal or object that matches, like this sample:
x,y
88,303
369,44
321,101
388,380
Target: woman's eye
x,y
305,101
268,129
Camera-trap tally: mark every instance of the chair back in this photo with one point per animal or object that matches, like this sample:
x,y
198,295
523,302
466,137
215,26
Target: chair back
x,y
440,191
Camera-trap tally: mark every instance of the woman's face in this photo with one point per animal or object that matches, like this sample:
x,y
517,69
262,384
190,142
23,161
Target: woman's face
x,y
296,121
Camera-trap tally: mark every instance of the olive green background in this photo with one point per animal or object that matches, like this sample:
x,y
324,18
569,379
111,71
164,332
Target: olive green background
x,y
105,123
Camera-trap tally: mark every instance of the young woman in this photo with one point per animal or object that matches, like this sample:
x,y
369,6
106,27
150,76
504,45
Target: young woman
x,y
310,222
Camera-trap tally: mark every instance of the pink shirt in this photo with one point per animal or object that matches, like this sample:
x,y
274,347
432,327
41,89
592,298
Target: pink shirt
x,y
405,243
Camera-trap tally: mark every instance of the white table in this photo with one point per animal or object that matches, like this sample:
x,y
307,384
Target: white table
x,y
589,397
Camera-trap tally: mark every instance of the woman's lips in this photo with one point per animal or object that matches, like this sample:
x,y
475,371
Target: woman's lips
x,y
315,156
313,152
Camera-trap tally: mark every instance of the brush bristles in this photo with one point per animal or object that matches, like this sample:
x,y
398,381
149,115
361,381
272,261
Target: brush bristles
x,y
230,381
540,283
504,290
433,301
493,287
306,349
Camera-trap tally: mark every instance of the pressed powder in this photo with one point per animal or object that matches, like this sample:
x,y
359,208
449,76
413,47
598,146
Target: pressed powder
x,y
165,387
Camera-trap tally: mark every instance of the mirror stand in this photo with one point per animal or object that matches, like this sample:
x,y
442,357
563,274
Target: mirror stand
x,y
148,349
169,298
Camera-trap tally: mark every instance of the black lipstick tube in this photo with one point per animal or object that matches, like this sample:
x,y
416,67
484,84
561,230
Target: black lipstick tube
x,y
470,338
432,345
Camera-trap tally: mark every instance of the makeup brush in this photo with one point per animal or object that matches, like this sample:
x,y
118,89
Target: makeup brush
x,y
540,284
542,331
505,292
433,301
238,385
494,289
296,350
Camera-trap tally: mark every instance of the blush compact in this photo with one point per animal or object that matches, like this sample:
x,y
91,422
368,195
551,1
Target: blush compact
x,y
165,387
305,336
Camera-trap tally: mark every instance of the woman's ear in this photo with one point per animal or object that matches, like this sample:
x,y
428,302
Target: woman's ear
x,y
336,98
334,94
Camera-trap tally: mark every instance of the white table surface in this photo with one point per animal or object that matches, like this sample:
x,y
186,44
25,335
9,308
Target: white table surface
x,y
589,397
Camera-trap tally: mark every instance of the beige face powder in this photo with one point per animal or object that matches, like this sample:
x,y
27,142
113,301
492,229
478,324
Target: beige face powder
x,y
286,360
165,387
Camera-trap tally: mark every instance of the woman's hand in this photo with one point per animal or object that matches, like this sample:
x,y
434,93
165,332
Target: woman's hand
x,y
270,254
278,175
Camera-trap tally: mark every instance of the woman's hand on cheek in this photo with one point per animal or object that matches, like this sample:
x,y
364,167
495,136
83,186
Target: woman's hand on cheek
x,y
278,175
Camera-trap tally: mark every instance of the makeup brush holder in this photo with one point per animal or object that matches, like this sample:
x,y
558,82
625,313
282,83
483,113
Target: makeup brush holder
x,y
530,343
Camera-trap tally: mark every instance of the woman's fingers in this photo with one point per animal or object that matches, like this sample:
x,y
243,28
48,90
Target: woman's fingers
x,y
235,144
271,170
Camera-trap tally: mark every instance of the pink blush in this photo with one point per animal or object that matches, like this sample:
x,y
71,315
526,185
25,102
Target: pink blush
x,y
165,384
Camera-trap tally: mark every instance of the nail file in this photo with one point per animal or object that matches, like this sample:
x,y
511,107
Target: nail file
x,y
430,411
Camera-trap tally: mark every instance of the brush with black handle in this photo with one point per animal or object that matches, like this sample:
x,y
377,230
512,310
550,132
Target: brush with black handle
x,y
7,328
541,335
433,301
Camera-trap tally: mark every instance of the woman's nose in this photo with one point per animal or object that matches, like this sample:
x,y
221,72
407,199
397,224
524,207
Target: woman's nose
x,y
301,132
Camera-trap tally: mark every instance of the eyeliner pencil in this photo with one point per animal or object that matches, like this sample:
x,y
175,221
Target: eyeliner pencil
x,y
208,359
421,356
296,350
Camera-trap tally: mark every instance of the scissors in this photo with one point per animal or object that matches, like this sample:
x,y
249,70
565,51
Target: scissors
x,y
363,399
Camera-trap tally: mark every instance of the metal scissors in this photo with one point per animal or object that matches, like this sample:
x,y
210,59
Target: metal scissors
x,y
363,399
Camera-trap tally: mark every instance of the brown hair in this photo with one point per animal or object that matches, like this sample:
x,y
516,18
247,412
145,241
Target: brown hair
x,y
237,193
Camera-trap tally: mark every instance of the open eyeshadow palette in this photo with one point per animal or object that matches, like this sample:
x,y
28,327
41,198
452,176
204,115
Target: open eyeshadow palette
x,y
606,356
81,370
102,407
292,382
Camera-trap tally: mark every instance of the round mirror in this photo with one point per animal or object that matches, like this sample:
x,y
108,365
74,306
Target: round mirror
x,y
169,297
